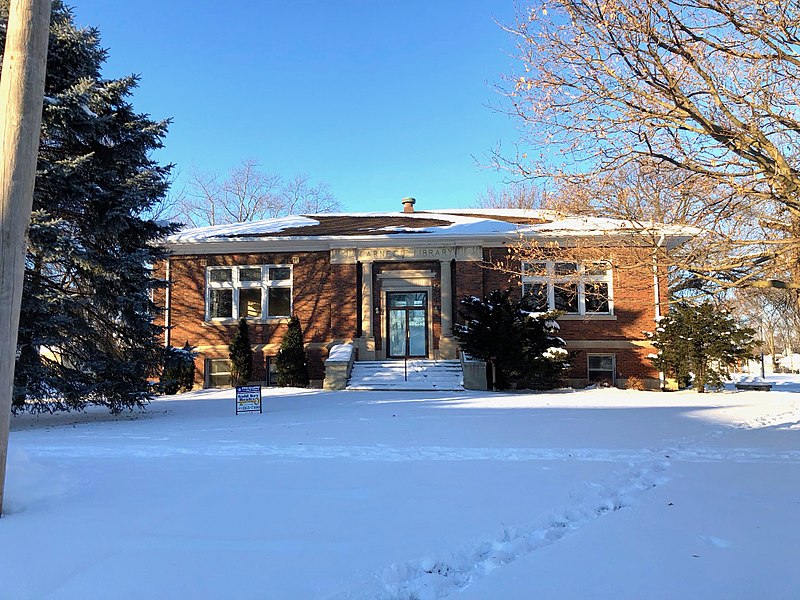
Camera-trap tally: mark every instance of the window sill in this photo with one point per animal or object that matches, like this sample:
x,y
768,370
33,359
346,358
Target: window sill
x,y
268,320
589,317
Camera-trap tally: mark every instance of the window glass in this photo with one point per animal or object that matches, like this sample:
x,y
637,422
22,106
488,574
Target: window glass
x,y
601,367
219,372
601,362
220,275
220,304
566,268
536,294
250,303
218,365
250,274
597,268
566,297
596,297
535,269
399,300
280,273
279,302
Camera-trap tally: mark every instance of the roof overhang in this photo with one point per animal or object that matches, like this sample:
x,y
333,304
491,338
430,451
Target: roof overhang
x,y
460,227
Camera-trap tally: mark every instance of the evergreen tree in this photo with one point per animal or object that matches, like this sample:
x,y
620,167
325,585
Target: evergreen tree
x,y
241,355
291,360
86,329
700,340
178,373
521,343
186,379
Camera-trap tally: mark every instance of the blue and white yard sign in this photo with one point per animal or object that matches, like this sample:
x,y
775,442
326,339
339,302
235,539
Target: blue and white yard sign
x,y
248,398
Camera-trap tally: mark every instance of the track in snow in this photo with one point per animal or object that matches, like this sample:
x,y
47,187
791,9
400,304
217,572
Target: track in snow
x,y
438,576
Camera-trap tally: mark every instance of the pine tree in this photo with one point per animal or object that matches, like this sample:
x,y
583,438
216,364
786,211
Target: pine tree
x,y
522,344
186,379
291,360
700,340
241,355
86,328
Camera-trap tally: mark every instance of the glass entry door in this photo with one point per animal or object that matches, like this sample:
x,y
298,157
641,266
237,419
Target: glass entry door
x,y
407,324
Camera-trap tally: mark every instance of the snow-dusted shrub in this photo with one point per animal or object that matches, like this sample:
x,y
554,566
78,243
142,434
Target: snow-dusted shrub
x,y
522,344
178,373
699,342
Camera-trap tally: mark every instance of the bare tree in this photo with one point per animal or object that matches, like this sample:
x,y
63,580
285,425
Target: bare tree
x,y
708,87
524,195
166,207
246,194
732,247
774,314
299,195
650,198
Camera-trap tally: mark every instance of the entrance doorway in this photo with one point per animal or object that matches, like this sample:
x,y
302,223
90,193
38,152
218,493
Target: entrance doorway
x,y
407,324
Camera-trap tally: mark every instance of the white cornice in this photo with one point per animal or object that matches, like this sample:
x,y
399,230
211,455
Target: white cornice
x,y
326,243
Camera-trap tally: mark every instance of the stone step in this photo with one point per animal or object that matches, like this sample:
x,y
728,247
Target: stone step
x,y
403,368
403,388
374,364
415,375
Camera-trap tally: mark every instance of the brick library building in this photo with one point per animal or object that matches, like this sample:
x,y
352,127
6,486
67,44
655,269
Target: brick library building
x,y
390,285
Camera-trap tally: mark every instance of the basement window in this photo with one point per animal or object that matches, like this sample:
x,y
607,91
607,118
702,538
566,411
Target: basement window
x,y
602,368
218,372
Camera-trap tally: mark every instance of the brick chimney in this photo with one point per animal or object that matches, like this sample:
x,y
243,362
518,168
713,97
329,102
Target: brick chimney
x,y
408,205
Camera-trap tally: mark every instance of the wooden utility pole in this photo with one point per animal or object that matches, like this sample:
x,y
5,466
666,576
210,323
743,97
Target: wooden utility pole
x,y
21,98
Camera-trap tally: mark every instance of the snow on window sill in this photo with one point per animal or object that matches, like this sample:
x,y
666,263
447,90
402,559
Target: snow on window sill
x,y
250,321
589,317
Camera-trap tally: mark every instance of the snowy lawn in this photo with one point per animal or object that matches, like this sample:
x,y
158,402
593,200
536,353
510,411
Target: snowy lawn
x,y
480,496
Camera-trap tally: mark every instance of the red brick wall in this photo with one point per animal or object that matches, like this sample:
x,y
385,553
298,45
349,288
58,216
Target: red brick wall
x,y
316,284
634,307
630,362
159,295
325,298
468,278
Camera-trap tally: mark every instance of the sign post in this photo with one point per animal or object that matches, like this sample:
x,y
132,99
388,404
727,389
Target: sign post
x,y
248,399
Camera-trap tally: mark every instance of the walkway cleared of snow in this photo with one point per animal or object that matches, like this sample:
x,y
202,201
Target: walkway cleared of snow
x,y
401,495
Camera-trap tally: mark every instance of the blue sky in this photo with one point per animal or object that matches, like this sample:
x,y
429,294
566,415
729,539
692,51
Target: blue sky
x,y
380,99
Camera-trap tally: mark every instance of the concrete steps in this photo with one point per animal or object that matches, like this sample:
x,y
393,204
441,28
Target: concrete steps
x,y
421,375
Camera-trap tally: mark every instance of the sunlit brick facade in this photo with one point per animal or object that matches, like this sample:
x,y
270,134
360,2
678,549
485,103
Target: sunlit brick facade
x,y
390,285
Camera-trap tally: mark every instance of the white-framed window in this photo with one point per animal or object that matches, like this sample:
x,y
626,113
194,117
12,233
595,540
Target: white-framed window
x,y
601,367
572,287
218,372
256,292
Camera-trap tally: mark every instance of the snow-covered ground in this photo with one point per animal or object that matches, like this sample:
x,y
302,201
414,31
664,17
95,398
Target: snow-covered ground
x,y
591,494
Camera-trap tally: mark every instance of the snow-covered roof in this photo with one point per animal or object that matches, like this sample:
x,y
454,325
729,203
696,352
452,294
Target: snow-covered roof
x,y
234,230
459,223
